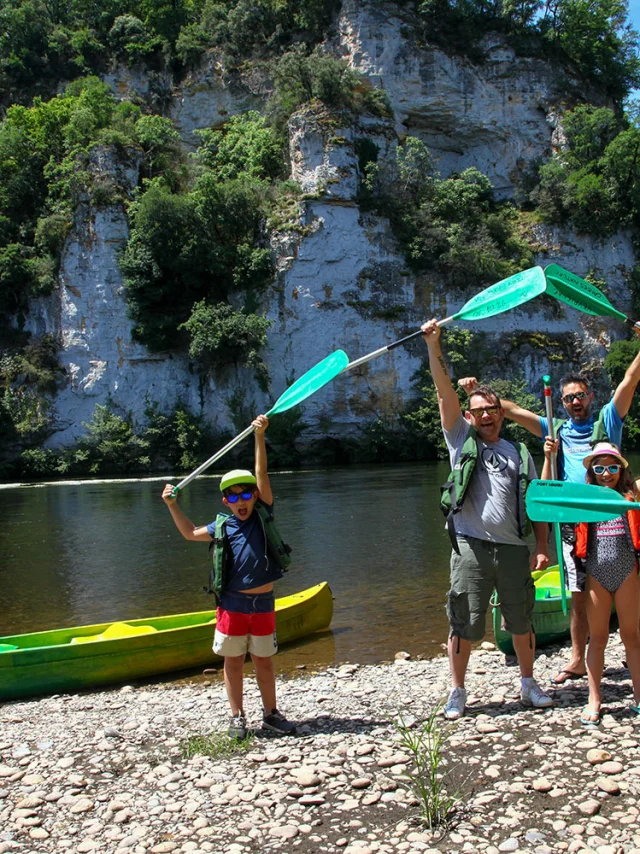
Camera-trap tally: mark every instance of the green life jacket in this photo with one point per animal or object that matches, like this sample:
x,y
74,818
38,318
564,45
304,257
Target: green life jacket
x,y
221,550
598,434
453,492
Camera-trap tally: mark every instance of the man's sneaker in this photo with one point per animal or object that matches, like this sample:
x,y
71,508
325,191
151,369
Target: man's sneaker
x,y
533,695
278,723
237,727
454,708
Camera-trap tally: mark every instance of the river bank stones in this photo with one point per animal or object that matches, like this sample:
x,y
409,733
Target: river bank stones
x,y
107,771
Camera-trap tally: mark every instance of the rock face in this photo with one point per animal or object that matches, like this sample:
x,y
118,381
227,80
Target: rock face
x,y
344,283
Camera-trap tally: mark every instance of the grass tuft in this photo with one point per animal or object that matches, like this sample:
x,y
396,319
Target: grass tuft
x,y
218,745
428,782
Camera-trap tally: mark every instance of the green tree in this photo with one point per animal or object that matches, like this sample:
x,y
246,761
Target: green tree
x,y
221,337
247,145
596,36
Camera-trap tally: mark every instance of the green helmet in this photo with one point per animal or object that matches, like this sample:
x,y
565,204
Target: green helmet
x,y
236,476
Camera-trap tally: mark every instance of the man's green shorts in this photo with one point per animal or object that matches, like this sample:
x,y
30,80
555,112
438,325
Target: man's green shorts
x,y
480,567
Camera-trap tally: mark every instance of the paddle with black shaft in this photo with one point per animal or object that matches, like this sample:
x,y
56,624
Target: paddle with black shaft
x,y
563,501
302,388
553,462
571,289
503,296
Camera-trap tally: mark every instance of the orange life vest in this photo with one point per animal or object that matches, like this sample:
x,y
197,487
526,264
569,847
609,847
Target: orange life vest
x,y
582,532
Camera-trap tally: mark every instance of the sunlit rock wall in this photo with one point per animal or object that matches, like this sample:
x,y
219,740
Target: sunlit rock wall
x,y
342,282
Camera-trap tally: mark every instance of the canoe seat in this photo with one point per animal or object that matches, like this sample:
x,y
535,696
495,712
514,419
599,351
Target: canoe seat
x,y
550,578
116,630
7,647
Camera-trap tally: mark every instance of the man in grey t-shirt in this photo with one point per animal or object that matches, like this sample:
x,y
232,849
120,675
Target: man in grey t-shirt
x,y
489,532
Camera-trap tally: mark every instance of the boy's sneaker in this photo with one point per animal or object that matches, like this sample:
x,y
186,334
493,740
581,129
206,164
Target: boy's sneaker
x,y
278,723
533,695
237,727
454,708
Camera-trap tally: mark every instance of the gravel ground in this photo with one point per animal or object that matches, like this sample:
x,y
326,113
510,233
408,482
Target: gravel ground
x,y
106,771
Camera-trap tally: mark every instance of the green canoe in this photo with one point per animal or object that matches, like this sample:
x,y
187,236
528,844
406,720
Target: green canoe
x,y
74,659
549,623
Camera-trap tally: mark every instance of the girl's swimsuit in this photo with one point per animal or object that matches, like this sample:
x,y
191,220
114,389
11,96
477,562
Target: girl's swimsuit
x,y
610,558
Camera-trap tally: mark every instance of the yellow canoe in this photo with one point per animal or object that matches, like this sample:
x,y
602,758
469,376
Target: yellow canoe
x,y
74,659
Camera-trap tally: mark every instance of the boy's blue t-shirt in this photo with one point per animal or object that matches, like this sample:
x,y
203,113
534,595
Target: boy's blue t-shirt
x,y
575,441
252,565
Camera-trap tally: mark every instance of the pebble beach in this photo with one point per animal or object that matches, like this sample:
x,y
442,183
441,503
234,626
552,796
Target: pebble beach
x,y
107,771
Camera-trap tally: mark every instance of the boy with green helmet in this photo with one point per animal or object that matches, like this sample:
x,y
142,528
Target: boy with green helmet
x,y
245,619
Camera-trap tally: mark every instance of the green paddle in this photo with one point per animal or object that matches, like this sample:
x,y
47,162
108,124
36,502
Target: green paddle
x,y
563,501
503,296
571,289
302,388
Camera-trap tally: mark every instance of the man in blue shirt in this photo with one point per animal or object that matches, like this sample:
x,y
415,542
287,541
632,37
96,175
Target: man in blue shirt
x,y
574,445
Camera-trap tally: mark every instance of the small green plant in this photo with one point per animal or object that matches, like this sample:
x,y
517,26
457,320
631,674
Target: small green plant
x,y
427,780
217,745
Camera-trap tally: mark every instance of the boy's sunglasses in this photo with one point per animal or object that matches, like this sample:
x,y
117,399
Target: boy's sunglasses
x,y
579,395
478,410
614,468
233,497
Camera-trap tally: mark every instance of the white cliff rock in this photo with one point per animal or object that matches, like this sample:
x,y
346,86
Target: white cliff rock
x,y
343,283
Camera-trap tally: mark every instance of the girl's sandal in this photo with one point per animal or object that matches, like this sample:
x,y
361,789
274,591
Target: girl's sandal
x,y
635,707
589,718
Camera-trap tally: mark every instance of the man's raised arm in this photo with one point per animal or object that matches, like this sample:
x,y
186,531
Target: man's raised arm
x,y
447,398
516,413
623,395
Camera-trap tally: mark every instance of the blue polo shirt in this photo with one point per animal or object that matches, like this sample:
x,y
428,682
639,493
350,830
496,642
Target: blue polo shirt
x,y
575,441
252,565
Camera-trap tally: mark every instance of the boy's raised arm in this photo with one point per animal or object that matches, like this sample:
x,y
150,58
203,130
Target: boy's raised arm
x,y
264,484
186,527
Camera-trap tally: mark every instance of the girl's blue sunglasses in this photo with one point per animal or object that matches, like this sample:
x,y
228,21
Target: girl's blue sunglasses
x,y
614,468
233,497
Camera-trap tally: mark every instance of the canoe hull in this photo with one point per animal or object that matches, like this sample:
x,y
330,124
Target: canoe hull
x,y
49,662
549,623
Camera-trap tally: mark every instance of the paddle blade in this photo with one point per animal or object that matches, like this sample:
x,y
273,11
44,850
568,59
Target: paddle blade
x,y
561,501
309,383
504,295
576,292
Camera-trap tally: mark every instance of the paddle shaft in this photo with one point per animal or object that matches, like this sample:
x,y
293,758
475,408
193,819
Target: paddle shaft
x,y
205,465
399,343
306,385
553,461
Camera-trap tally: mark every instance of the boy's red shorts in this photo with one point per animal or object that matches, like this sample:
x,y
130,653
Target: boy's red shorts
x,y
238,632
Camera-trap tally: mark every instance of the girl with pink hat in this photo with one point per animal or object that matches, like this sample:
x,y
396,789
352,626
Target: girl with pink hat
x,y
609,552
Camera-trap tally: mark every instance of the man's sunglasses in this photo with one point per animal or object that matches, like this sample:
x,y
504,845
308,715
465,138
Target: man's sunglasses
x,y
614,468
233,497
579,395
478,410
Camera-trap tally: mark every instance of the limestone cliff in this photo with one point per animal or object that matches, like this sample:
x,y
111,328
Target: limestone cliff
x,y
336,280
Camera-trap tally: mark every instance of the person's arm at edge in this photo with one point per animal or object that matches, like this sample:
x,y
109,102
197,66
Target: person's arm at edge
x,y
623,395
186,527
540,555
527,419
448,401
550,447
264,484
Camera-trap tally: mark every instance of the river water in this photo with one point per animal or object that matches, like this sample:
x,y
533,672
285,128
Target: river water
x,y
95,551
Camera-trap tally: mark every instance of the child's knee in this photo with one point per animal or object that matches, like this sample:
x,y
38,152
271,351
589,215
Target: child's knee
x,y
630,638
262,662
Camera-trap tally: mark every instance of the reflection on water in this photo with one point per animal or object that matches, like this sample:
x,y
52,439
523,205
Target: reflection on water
x,y
96,552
